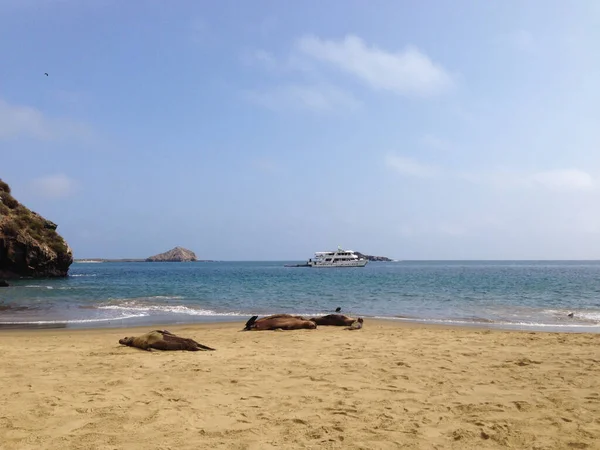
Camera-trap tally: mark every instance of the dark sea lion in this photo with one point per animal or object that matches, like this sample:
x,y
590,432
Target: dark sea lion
x,y
356,325
334,319
281,321
163,340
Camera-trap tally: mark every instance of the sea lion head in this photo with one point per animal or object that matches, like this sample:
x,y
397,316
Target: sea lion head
x,y
126,341
311,325
360,320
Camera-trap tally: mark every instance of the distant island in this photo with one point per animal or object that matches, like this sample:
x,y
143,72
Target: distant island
x,y
373,258
177,254
124,260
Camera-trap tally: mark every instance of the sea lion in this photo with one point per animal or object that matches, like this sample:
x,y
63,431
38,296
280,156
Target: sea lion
x,y
334,319
279,321
356,325
163,340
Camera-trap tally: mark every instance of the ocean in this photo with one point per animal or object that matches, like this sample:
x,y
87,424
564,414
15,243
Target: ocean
x,y
535,295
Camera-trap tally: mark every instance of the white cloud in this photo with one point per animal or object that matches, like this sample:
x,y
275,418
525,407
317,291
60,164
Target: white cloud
x,y
564,180
289,65
25,121
318,97
409,72
561,180
53,186
261,58
411,167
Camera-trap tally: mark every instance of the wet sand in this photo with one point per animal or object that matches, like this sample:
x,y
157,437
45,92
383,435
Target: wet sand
x,y
390,385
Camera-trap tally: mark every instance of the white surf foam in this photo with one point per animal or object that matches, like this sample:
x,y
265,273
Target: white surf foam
x,y
171,309
51,322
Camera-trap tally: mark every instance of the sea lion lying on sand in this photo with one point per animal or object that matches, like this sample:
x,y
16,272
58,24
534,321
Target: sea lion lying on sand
x,y
334,319
356,325
163,340
281,321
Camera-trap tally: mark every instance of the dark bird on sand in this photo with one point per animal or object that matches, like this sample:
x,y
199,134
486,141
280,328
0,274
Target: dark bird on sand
x,y
163,340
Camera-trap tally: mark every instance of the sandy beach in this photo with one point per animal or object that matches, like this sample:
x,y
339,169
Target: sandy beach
x,y
389,385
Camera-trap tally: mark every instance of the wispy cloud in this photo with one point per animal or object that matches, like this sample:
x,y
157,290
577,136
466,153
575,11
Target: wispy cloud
x,y
307,80
53,186
319,98
560,180
564,180
408,72
261,58
411,167
26,121
290,65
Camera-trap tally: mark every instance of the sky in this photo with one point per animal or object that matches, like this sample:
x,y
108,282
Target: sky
x,y
269,130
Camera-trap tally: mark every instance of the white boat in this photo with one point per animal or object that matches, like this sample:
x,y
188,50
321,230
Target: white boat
x,y
339,258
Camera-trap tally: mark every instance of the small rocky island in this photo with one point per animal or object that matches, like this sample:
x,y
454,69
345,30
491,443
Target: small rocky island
x,y
29,243
177,254
373,258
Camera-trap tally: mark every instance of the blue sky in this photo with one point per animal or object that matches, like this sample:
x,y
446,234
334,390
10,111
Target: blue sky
x,y
270,130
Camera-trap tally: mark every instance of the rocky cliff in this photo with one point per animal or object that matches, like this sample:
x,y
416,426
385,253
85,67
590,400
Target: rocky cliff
x,y
373,258
29,244
178,254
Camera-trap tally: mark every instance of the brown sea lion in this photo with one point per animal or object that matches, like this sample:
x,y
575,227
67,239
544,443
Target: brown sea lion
x,y
163,340
356,325
279,321
334,319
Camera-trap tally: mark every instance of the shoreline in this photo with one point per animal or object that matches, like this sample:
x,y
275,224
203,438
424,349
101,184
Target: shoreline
x,y
200,325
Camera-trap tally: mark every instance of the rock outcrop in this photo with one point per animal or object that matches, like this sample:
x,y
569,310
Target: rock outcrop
x,y
373,258
29,244
178,254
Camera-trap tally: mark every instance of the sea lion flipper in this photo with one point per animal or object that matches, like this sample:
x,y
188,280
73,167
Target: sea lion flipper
x,y
174,342
250,322
204,347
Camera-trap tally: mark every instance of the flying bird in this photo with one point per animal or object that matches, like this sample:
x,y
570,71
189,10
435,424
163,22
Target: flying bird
x,y
45,73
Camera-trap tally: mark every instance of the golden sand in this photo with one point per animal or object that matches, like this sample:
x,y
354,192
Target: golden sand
x,y
386,386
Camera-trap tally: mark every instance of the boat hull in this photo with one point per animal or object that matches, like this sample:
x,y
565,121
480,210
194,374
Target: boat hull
x,y
358,263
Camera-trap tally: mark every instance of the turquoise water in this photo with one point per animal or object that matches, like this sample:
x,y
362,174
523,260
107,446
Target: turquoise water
x,y
535,295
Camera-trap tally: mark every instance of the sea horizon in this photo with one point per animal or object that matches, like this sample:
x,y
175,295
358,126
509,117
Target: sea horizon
x,y
78,260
